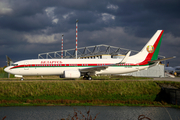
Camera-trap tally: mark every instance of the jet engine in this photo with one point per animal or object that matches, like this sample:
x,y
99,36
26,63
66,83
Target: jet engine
x,y
71,74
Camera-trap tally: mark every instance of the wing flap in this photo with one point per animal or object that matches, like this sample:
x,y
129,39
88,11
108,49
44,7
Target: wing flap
x,y
92,69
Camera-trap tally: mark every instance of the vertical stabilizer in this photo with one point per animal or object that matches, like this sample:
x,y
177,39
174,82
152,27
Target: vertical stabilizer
x,y
151,50
9,61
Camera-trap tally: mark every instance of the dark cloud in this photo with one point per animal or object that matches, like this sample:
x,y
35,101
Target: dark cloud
x,y
30,27
26,23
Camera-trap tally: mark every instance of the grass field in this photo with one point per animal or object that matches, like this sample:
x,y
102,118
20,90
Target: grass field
x,y
79,92
102,90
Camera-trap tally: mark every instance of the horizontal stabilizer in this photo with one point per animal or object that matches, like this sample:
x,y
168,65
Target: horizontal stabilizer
x,y
153,61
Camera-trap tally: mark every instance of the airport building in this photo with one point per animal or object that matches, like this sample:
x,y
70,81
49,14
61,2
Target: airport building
x,y
104,52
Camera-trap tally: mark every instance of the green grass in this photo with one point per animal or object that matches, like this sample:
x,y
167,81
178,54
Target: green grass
x,y
171,83
113,77
78,92
106,90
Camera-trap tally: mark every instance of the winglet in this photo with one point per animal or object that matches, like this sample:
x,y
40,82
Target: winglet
x,y
124,60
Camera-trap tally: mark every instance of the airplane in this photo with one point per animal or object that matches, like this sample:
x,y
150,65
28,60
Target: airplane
x,y
177,70
173,70
75,68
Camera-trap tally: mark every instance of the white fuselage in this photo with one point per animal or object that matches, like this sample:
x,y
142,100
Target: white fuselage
x,y
58,66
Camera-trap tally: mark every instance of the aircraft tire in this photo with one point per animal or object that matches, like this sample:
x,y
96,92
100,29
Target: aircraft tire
x,y
89,78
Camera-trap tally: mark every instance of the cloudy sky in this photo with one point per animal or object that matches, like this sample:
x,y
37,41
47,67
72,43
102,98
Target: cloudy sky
x,y
30,27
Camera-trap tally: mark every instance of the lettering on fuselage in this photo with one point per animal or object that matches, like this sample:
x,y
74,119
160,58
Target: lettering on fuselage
x,y
51,62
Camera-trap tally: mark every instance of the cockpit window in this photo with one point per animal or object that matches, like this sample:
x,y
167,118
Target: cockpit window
x,y
14,64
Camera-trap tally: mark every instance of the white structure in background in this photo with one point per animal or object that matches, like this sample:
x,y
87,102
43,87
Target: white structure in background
x,y
155,71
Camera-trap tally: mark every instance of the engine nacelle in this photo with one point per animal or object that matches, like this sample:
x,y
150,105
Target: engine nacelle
x,y
18,76
72,74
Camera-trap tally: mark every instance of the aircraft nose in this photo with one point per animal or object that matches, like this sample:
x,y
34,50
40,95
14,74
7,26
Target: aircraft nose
x,y
6,69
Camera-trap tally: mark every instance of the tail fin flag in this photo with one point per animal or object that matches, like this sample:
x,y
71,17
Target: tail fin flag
x,y
157,45
151,50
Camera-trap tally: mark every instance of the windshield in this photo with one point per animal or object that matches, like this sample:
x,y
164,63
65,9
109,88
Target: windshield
x,y
14,64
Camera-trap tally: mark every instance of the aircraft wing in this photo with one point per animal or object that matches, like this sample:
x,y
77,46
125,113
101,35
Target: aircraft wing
x,y
153,61
93,69
99,68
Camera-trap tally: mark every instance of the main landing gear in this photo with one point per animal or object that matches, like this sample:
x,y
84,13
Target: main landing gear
x,y
87,77
22,79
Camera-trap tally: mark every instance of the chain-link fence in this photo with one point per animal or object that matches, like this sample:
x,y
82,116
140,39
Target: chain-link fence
x,y
3,74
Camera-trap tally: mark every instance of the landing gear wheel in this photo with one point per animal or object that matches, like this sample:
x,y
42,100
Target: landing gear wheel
x,y
22,79
89,78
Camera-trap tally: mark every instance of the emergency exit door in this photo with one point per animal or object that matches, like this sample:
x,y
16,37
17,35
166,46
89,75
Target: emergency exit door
x,y
26,65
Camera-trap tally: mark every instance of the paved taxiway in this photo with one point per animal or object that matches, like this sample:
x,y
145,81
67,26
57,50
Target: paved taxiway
x,y
176,79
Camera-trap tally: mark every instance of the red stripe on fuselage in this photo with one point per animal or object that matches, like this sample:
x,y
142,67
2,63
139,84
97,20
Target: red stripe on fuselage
x,y
73,65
